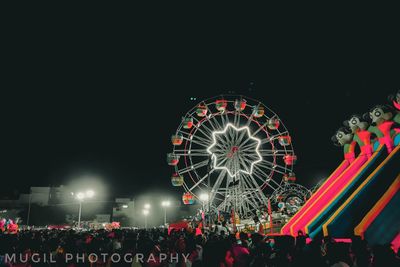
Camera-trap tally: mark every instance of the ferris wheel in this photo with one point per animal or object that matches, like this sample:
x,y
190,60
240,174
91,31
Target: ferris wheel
x,y
291,195
233,149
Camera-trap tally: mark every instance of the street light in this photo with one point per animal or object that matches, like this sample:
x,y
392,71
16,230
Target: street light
x,y
204,197
147,206
145,213
165,204
90,193
80,196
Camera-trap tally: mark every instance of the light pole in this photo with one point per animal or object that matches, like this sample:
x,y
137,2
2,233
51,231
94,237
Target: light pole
x,y
145,213
29,207
165,205
80,196
204,198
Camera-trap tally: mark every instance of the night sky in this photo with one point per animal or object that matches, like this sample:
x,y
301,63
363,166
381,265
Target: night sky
x,y
102,98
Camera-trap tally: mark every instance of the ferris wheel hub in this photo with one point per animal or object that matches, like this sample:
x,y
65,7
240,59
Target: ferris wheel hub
x,y
235,150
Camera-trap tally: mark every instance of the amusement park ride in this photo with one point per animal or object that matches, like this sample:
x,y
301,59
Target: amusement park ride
x,y
237,151
361,197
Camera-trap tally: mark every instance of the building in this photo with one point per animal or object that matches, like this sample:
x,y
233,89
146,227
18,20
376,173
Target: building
x,y
123,211
56,202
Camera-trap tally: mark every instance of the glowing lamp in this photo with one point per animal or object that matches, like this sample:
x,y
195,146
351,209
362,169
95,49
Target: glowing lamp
x,y
203,197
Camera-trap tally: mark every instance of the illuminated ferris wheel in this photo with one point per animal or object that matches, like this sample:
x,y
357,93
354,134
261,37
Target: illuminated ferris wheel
x,y
233,149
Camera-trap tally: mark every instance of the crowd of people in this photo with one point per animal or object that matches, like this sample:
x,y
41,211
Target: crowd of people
x,y
183,248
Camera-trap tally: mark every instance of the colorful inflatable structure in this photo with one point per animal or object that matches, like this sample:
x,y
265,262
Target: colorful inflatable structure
x,y
361,197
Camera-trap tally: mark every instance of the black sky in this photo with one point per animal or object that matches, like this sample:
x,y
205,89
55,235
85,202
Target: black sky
x,y
95,95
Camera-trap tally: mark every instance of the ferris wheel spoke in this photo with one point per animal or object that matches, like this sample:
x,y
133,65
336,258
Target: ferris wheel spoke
x,y
252,159
198,128
245,162
273,137
263,166
262,126
236,119
272,151
259,171
225,115
195,154
194,166
246,145
249,120
270,186
195,139
217,185
195,142
218,197
250,204
214,126
277,185
267,182
219,126
276,167
201,123
262,196
221,162
241,137
266,154
247,184
200,181
230,136
192,152
223,145
257,174
223,206
202,139
223,121
255,199
203,130
220,140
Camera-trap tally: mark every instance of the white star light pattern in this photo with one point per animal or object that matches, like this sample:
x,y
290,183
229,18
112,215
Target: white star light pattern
x,y
235,150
